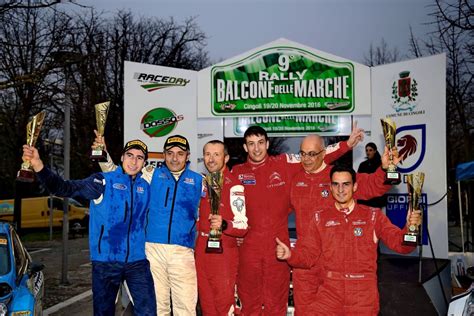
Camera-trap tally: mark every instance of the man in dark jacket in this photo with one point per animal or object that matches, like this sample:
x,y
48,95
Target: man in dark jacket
x,y
119,201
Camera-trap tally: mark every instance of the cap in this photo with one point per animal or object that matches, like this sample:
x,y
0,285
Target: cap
x,y
176,141
136,144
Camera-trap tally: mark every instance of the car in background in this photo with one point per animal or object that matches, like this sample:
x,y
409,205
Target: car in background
x,y
21,280
35,212
462,304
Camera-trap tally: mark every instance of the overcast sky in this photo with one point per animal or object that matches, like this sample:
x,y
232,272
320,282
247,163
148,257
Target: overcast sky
x,y
342,27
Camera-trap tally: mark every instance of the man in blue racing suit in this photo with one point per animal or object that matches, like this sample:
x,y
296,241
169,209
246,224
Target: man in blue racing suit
x,y
119,201
171,226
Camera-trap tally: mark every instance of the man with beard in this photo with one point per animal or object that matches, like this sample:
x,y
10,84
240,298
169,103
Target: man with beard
x,y
217,272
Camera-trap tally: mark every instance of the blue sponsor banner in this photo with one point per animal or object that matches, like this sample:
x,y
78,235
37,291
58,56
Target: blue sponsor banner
x,y
397,208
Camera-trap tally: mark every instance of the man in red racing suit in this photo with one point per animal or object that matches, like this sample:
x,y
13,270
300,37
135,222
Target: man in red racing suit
x,y
310,190
217,272
263,280
342,240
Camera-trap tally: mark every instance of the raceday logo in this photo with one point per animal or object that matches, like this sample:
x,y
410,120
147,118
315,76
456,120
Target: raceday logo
x,y
159,122
153,82
404,92
411,145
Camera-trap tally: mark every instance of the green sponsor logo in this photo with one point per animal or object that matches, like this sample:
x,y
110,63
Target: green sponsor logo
x,y
159,122
282,80
288,125
153,82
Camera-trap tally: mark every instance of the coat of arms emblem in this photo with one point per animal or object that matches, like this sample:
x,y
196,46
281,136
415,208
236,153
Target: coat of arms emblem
x,y
404,92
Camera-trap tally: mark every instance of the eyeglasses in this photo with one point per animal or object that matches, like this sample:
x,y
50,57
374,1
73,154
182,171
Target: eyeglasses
x,y
311,154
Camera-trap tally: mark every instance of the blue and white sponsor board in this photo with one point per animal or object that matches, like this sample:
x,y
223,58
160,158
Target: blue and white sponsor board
x,y
412,94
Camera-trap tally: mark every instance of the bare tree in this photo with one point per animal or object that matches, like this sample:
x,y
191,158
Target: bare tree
x,y
28,75
454,36
12,5
457,14
152,41
49,59
381,54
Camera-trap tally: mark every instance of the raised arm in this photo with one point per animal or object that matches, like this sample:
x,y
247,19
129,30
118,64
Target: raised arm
x,y
372,185
109,165
336,151
391,235
90,188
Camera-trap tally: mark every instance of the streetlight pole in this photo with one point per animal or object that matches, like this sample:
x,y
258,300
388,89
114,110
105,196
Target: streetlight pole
x,y
66,148
51,198
65,59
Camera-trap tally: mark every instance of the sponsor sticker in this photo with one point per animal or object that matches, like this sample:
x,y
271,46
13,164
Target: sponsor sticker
x,y
119,186
358,231
189,180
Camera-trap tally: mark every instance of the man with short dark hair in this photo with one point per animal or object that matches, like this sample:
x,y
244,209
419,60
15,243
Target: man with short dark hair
x,y
171,227
263,281
310,188
171,231
119,201
342,240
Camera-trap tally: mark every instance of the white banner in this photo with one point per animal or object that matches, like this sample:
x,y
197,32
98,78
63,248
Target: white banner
x,y
412,94
284,78
291,125
160,102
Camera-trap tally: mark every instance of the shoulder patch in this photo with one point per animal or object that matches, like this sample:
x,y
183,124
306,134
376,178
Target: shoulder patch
x,y
332,148
293,158
149,168
374,214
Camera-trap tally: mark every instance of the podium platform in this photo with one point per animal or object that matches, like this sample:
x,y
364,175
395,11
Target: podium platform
x,y
401,293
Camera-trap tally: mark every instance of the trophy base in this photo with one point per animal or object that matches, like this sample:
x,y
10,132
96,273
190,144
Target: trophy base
x,y
410,240
214,246
25,176
392,178
98,156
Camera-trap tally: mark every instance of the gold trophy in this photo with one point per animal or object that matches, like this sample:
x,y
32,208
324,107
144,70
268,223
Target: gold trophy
x,y
101,110
214,181
33,128
389,130
414,185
